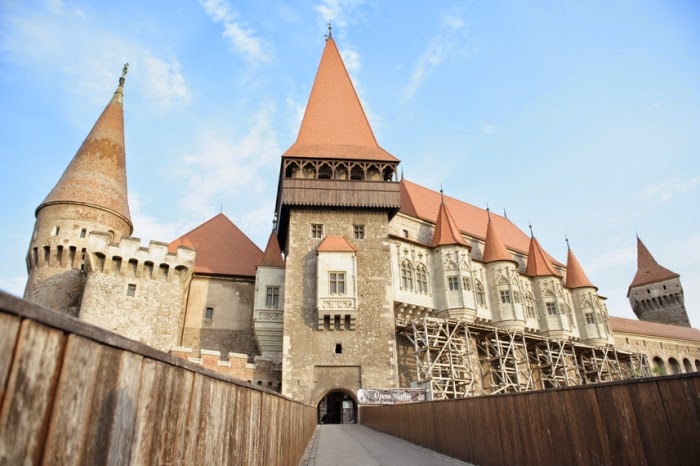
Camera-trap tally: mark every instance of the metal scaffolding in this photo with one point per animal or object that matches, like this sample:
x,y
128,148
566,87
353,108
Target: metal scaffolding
x,y
455,359
443,356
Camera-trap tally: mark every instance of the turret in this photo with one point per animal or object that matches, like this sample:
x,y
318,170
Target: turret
x,y
90,196
504,280
656,294
268,308
453,276
592,316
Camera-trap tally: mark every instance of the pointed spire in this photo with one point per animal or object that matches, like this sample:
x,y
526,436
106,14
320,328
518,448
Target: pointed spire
x,y
334,124
648,270
575,276
538,265
272,257
446,231
96,176
494,249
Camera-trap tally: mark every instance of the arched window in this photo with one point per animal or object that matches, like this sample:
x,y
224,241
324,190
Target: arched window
x,y
373,173
480,294
407,275
659,366
292,170
421,279
341,172
675,366
325,172
309,171
356,173
687,366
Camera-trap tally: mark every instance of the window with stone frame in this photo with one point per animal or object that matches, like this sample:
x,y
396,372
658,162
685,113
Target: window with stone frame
x,y
505,296
529,306
421,279
480,293
453,283
209,313
131,289
317,230
516,297
359,231
466,284
272,298
407,275
551,308
336,283
589,318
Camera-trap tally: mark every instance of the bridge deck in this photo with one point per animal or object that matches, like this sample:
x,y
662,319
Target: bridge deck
x,y
354,444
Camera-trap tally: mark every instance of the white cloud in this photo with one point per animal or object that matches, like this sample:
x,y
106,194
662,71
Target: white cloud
x,y
242,39
148,227
612,259
665,190
225,167
488,129
165,82
446,41
342,13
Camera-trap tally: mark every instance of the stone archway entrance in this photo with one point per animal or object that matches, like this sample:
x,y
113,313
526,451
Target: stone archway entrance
x,y
337,407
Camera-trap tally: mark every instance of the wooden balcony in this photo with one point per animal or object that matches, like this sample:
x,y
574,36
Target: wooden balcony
x,y
340,193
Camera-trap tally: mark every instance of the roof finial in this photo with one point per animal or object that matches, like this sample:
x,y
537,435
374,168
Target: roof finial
x,y
330,31
488,211
274,221
529,224
442,195
568,247
221,210
124,71
505,214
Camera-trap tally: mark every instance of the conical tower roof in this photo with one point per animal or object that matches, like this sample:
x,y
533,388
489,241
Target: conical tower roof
x,y
648,270
538,265
494,249
575,276
96,176
446,232
335,125
272,256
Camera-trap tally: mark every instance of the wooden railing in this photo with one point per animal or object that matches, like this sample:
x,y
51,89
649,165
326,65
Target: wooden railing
x,y
640,421
73,393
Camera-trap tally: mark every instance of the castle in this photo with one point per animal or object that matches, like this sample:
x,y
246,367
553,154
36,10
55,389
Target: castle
x,y
368,280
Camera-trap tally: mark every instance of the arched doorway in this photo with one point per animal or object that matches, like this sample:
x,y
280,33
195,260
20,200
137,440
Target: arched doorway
x,y
337,407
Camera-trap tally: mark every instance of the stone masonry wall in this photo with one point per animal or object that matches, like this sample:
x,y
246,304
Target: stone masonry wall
x,y
367,358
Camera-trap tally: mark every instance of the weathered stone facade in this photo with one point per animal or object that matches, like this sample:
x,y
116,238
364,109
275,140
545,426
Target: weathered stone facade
x,y
317,361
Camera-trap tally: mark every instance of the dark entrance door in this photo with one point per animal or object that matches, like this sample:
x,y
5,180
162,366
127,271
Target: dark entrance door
x,y
337,408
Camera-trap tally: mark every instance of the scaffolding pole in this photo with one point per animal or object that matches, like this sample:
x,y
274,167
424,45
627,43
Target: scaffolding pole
x,y
505,365
556,363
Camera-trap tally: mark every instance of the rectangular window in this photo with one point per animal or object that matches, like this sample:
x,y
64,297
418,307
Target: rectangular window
x,y
530,310
551,308
466,284
505,297
55,231
337,282
209,313
316,230
405,233
359,231
453,283
273,297
83,233
589,318
131,289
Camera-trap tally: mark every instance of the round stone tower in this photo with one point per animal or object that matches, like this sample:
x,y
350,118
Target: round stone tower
x,y
90,196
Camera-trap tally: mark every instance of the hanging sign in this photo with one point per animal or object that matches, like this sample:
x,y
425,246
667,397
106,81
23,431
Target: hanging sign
x,y
389,396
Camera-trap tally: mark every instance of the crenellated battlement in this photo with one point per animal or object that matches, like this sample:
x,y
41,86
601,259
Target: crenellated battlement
x,y
130,259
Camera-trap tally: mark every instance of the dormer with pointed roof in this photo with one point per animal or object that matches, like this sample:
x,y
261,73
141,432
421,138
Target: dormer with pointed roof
x,y
538,264
272,257
494,249
336,160
446,231
656,293
575,276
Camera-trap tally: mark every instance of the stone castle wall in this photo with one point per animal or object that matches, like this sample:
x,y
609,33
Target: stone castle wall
x,y
312,365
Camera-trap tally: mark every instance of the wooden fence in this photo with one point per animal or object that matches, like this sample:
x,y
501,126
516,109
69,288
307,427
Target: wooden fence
x,y
73,393
640,421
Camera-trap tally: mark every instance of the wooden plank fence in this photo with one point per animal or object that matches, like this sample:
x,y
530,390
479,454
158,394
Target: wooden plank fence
x,y
654,421
73,393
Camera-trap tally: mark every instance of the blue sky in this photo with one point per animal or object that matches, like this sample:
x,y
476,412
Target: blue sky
x,y
581,117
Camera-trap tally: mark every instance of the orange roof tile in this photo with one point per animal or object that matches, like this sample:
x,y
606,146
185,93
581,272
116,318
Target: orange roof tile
x,y
273,255
222,249
335,244
648,270
638,327
446,232
423,203
538,265
494,249
334,124
97,174
575,276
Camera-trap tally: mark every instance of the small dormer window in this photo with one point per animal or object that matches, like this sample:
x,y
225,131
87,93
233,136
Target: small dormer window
x,y
405,233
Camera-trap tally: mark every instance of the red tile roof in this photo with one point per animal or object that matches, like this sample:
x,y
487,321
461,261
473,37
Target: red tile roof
x,y
638,327
97,174
575,276
222,249
648,270
423,203
335,244
446,232
334,124
494,249
538,264
273,255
